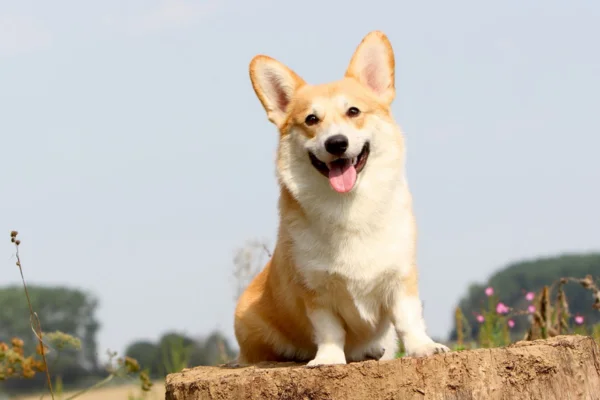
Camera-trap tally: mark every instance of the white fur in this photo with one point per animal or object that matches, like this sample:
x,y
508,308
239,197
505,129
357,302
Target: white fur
x,y
329,337
356,249
316,145
362,241
410,326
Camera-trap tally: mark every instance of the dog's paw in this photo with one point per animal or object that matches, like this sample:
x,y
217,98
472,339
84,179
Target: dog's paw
x,y
375,353
329,357
325,361
424,348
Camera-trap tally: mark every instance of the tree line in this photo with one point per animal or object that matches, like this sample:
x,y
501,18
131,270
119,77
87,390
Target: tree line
x,y
73,311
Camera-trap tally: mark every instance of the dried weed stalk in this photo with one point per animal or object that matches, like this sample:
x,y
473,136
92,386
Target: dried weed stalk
x,y
552,320
125,366
460,333
248,262
34,320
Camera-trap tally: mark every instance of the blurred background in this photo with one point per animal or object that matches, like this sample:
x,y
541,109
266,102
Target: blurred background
x,y
138,164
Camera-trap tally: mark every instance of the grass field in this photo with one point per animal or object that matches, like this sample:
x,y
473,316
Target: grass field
x,y
121,392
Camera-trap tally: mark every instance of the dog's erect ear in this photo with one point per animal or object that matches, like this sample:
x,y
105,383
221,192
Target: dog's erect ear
x,y
275,85
373,65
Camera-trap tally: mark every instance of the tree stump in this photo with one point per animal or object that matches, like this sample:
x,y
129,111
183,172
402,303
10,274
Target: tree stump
x,y
563,367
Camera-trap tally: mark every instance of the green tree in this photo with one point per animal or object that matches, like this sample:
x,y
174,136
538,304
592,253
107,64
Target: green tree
x,y
511,283
175,351
147,354
59,308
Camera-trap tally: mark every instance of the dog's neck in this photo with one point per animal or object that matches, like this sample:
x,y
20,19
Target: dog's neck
x,y
361,209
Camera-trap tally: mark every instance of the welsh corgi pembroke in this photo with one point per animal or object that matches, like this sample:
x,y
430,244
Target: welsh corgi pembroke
x,y
342,282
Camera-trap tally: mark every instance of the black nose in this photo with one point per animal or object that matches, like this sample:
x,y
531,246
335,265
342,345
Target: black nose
x,y
337,145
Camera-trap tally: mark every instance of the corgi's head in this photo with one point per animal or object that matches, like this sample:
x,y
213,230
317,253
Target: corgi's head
x,y
338,135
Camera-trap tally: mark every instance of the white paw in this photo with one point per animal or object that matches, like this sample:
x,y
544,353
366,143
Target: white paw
x,y
424,347
325,361
328,358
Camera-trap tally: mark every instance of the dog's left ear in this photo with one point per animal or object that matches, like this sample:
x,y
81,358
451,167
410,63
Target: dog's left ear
x,y
275,85
373,65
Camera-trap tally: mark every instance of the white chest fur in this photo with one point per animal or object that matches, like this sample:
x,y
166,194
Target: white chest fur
x,y
352,259
358,241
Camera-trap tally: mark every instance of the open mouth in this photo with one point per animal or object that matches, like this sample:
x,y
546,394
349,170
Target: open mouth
x,y
342,172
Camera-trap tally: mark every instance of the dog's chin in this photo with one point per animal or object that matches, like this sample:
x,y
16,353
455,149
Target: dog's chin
x,y
358,163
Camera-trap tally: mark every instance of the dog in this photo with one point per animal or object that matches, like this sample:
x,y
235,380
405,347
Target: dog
x,y
342,283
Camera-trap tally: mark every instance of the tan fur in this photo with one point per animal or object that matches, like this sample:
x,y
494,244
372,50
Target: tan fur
x,y
345,262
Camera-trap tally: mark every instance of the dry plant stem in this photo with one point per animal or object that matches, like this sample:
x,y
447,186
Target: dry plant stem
x,y
552,319
248,263
459,326
587,283
95,386
562,305
539,317
562,309
546,311
34,320
266,249
222,353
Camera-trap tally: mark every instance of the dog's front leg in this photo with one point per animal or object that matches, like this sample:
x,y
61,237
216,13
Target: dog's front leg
x,y
329,336
407,316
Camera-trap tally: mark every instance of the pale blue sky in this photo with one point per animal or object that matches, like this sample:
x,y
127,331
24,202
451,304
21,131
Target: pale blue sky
x,y
136,157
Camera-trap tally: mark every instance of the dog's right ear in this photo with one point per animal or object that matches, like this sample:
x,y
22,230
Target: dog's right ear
x,y
373,65
275,85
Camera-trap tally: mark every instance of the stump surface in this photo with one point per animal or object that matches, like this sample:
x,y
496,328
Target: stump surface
x,y
563,367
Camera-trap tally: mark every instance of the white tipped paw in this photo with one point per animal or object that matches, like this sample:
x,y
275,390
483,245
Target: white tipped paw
x,y
328,357
424,348
325,361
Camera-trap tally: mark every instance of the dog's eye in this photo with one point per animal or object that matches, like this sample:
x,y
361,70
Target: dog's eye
x,y
311,119
352,112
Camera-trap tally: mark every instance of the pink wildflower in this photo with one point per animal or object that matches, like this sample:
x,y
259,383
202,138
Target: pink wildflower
x,y
511,323
529,296
579,319
480,318
489,291
501,308
531,309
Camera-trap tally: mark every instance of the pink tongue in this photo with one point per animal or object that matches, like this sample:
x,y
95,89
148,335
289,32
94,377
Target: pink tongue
x,y
342,177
